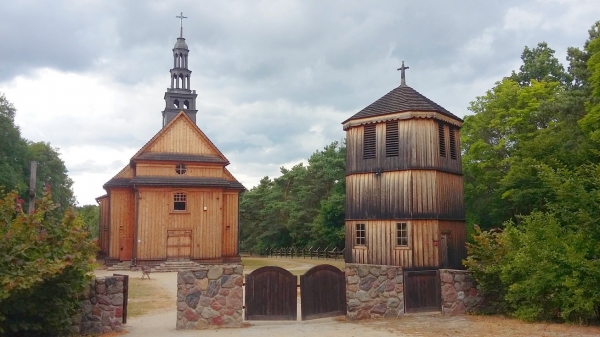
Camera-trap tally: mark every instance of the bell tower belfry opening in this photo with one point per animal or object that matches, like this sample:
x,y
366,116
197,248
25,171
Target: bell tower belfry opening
x,y
179,96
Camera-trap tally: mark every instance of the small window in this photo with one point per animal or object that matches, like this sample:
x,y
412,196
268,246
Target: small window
x,y
452,144
402,234
361,234
391,139
442,139
369,142
176,104
179,201
180,168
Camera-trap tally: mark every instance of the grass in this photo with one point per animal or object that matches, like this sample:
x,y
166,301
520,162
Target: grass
x,y
146,296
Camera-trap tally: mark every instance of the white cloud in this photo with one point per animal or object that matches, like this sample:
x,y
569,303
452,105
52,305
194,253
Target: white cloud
x,y
521,19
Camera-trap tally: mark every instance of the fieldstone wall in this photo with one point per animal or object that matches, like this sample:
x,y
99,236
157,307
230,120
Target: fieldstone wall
x,y
102,307
460,292
374,291
210,296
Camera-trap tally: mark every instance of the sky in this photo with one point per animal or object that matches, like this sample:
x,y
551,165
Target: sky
x,y
274,79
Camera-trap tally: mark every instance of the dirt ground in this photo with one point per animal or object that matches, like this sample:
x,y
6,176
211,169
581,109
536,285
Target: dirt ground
x,y
161,322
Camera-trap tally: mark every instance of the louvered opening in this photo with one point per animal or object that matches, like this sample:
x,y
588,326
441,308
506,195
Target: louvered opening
x,y
452,144
442,139
391,139
369,142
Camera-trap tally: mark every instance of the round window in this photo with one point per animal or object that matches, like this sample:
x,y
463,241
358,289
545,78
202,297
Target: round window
x,y
180,168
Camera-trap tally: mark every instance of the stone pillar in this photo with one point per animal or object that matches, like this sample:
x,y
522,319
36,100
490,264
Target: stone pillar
x,y
210,296
374,291
460,292
101,307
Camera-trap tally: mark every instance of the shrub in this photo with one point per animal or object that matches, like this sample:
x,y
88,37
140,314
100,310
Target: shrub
x,y
46,264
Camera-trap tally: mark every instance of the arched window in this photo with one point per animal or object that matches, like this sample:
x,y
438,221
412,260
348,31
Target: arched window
x,y
176,104
186,104
179,201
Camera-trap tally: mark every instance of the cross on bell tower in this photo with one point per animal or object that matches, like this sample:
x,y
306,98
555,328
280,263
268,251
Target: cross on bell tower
x,y
179,97
402,74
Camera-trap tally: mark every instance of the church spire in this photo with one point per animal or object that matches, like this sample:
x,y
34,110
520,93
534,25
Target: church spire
x,y
179,97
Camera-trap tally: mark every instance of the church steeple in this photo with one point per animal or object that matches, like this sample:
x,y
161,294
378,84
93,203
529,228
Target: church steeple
x,y
179,96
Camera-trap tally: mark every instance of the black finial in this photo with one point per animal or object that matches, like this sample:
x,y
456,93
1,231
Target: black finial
x,y
181,17
402,74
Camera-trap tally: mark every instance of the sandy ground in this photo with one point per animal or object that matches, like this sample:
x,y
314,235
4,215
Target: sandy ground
x,y
162,323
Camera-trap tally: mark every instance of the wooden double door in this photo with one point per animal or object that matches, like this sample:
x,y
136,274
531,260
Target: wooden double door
x,y
179,245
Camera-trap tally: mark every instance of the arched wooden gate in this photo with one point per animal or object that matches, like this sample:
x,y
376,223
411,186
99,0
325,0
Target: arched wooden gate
x,y
323,292
271,295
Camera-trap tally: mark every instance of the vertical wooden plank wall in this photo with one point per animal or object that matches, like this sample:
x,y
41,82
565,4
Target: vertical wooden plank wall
x,y
457,244
156,211
381,246
178,139
103,231
122,217
229,245
168,170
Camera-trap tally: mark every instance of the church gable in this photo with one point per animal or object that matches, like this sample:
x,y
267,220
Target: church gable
x,y
180,137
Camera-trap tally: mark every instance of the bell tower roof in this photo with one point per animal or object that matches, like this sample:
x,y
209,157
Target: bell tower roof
x,y
179,97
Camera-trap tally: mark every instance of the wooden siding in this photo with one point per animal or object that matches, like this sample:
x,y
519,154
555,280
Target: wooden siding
x,y
183,137
121,219
156,217
457,249
418,148
168,170
126,172
421,252
421,194
229,245
103,226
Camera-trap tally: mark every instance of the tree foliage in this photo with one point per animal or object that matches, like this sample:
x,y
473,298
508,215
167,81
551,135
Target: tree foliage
x,y
90,215
15,155
302,207
46,265
532,170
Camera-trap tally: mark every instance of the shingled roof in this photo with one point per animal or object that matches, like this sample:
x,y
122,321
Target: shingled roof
x,y
175,182
402,98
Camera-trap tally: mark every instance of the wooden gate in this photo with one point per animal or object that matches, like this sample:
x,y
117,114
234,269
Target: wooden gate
x,y
179,245
422,291
323,292
271,295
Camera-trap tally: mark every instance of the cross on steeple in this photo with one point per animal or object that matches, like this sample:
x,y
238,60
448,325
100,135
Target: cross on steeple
x,y
181,17
402,74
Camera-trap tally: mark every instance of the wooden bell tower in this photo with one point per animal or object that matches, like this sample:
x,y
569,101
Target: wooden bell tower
x,y
404,184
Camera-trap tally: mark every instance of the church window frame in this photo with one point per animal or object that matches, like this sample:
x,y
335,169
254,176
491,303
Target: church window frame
x,y
402,235
361,235
180,168
453,147
179,202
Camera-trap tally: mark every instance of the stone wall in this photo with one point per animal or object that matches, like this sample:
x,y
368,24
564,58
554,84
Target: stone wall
x,y
102,307
374,291
460,293
210,296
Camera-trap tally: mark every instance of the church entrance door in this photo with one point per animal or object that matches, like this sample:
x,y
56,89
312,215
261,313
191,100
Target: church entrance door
x,y
179,245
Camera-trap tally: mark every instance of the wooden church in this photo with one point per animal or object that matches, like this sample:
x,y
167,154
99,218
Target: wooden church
x,y
175,200
404,184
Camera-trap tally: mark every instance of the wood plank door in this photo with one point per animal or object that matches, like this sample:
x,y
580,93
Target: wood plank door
x,y
422,291
125,249
179,245
271,295
323,292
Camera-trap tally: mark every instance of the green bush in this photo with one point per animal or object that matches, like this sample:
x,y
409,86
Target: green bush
x,y
546,267
46,264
